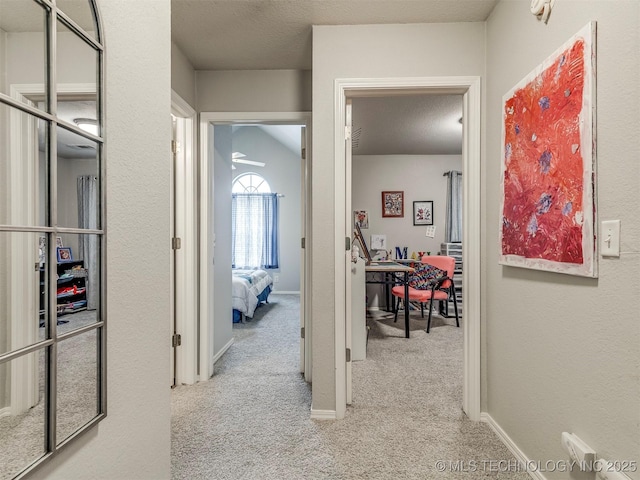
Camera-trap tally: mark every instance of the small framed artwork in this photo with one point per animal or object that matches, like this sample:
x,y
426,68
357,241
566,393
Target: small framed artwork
x,y
393,204
378,242
423,212
64,254
361,218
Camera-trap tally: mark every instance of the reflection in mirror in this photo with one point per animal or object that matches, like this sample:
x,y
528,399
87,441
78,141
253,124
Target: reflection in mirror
x,y
78,284
50,297
23,294
77,65
22,48
22,412
81,12
77,383
23,169
77,181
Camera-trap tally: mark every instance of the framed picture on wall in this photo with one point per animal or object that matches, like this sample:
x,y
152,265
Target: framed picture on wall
x,y
361,218
423,212
393,204
64,254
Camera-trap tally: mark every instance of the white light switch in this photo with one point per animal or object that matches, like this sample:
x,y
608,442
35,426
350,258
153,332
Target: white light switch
x,y
610,238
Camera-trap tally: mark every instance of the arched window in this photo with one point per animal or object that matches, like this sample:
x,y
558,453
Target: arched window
x,y
250,183
52,319
254,223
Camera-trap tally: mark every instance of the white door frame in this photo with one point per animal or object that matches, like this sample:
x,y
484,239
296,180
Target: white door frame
x,y
186,214
206,329
469,87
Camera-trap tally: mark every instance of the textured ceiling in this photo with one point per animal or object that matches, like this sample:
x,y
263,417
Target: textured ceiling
x,y
276,34
407,125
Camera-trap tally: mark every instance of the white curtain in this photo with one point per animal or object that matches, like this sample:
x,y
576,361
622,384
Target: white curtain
x,y
254,230
453,229
88,244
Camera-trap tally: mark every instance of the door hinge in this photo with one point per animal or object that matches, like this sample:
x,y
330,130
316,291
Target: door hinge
x,y
302,242
347,243
176,243
347,132
303,153
301,332
348,354
174,147
176,340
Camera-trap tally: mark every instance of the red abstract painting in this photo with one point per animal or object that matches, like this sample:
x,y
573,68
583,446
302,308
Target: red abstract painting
x,y
548,205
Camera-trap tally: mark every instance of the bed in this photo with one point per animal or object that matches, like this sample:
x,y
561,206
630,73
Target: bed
x,y
249,289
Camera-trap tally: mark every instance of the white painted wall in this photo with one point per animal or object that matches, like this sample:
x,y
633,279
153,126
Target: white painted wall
x,y
183,76
253,91
420,177
282,172
25,59
366,51
562,351
134,440
3,59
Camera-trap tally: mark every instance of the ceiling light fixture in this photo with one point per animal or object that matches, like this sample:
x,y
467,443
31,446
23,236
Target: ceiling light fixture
x,y
89,125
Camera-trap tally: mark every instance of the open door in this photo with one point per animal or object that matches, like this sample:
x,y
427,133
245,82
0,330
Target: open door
x,y
173,327
183,242
303,250
347,256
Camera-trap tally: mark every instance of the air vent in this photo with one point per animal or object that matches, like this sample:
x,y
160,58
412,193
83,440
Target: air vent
x,y
355,137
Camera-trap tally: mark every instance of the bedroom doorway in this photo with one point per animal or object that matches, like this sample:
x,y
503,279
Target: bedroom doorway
x,y
469,88
219,166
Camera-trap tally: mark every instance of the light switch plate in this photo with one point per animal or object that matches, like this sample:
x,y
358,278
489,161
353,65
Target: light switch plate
x,y
610,238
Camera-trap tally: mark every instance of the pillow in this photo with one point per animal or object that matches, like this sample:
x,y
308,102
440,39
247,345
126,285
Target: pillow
x,y
425,275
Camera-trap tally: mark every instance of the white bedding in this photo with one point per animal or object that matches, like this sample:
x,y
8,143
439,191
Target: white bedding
x,y
246,286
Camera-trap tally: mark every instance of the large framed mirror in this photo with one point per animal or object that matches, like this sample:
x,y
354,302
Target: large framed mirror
x,y
52,232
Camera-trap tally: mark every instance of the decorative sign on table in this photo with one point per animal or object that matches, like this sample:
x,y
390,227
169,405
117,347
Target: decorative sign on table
x,y
548,207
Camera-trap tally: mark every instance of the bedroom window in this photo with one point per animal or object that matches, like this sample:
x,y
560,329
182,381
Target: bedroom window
x,y
250,183
254,223
52,232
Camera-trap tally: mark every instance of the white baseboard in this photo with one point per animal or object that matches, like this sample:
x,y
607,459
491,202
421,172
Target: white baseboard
x,y
218,355
283,292
510,444
323,414
5,412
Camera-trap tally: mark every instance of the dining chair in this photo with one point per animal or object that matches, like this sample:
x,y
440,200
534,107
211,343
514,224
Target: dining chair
x,y
432,280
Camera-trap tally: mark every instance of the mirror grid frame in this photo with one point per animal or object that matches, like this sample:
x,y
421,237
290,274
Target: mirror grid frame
x,y
51,230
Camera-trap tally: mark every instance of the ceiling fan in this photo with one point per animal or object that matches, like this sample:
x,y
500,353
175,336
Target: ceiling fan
x,y
238,157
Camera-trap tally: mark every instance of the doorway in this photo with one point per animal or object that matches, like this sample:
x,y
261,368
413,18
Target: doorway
x,y
469,88
216,156
183,244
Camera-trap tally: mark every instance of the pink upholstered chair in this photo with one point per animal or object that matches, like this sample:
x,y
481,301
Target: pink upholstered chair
x,y
439,289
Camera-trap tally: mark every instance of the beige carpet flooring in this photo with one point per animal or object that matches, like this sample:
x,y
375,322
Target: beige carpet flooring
x,y
251,419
